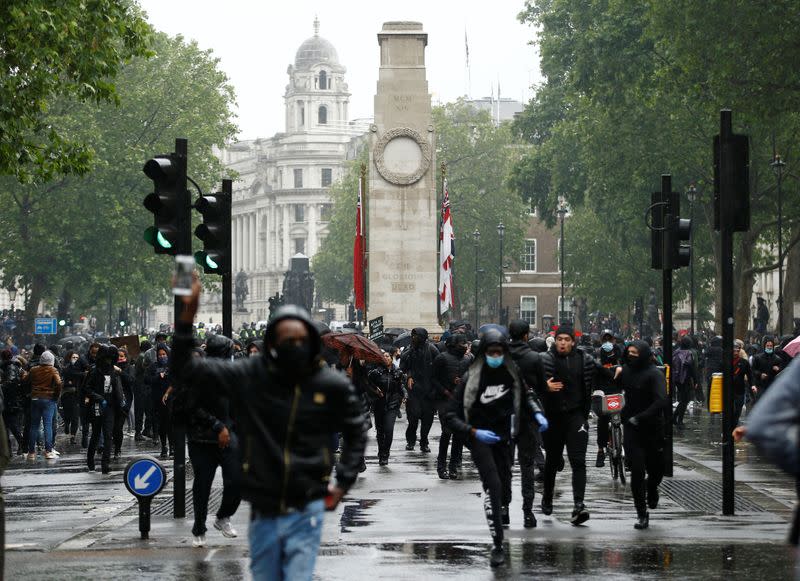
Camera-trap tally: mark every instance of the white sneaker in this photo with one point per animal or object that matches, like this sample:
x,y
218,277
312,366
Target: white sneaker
x,y
223,525
32,456
56,452
199,541
50,455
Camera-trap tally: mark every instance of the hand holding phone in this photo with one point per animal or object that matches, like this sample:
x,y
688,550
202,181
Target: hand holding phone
x,y
182,282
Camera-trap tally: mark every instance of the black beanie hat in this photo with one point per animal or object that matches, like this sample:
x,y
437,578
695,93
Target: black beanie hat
x,y
566,329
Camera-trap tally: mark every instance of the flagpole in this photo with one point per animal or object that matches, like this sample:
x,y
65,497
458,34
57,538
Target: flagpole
x,y
439,199
364,220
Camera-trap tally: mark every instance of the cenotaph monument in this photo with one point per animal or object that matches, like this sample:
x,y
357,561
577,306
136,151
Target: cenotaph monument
x,y
402,201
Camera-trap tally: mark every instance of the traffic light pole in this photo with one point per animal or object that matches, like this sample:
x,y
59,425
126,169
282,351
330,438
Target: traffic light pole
x,y
726,228
227,273
184,246
666,332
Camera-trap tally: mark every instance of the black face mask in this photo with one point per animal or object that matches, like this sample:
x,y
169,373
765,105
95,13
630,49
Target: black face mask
x,y
292,359
461,349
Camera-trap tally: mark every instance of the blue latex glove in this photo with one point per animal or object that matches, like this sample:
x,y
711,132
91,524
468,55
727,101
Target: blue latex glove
x,y
487,437
103,404
542,421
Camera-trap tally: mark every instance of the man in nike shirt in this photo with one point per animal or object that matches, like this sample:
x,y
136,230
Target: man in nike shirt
x,y
487,409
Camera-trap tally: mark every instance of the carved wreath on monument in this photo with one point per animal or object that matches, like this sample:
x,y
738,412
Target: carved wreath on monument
x,y
402,156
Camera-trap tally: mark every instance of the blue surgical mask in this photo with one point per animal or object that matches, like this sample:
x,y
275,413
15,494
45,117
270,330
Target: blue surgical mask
x,y
607,346
162,360
494,362
768,351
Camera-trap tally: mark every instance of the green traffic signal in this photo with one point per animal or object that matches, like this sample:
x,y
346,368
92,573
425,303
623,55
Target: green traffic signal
x,y
61,323
205,260
156,239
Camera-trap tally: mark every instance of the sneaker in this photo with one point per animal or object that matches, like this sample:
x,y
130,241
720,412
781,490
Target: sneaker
x,y
443,474
529,519
56,452
409,447
498,557
32,456
105,469
643,522
199,541
601,459
505,517
453,474
547,507
424,448
383,461
579,515
51,455
223,525
72,439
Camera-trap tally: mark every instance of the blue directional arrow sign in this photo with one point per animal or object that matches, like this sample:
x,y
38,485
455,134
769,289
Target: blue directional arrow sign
x,y
145,477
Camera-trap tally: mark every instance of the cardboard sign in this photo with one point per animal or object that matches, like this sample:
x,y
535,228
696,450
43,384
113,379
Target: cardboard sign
x,y
131,342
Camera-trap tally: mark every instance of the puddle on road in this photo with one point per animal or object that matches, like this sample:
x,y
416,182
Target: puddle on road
x,y
562,560
353,514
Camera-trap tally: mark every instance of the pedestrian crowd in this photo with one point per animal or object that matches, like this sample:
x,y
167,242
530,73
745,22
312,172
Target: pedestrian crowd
x,y
286,418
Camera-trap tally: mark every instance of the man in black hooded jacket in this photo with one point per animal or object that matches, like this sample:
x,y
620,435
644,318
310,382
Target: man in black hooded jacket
x,y
529,442
448,369
645,389
417,363
287,404
102,394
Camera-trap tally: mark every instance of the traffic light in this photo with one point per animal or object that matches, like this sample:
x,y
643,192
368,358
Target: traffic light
x,y
732,176
656,232
678,230
168,173
215,231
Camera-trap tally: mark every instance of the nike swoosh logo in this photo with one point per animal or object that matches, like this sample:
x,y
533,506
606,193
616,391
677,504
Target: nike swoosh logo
x,y
493,392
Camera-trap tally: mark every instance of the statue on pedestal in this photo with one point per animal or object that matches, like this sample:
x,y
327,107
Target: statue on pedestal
x,y
240,290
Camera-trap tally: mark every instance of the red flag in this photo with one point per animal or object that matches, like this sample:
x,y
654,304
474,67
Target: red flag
x,y
447,252
358,256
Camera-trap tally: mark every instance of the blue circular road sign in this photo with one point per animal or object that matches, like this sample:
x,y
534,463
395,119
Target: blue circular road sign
x,y
145,476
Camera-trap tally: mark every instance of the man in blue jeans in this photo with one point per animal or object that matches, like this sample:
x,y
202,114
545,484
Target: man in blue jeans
x,y
286,404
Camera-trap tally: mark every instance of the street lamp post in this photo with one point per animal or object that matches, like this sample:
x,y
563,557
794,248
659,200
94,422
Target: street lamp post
x,y
501,232
777,166
476,236
691,194
12,295
562,210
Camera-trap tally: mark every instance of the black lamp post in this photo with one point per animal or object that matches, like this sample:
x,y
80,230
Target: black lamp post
x,y
476,236
562,210
691,195
777,166
501,232
12,295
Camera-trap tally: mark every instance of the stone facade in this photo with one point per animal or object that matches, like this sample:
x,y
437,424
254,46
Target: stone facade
x,y
281,201
402,203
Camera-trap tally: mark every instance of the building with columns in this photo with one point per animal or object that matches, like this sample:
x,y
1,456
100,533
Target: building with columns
x,y
281,201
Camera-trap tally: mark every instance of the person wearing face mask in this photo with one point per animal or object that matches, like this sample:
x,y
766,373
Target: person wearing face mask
x,y
287,403
645,389
122,407
388,385
417,363
100,392
486,411
448,369
159,381
685,375
610,357
766,366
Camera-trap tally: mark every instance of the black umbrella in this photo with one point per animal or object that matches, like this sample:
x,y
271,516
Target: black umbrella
x,y
322,328
394,331
404,340
76,340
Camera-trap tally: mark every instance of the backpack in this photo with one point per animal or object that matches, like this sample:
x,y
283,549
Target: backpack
x,y
681,365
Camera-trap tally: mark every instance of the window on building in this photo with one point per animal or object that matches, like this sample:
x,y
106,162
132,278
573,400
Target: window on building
x,y
325,212
299,213
527,309
327,177
299,245
323,115
323,80
298,178
528,261
302,116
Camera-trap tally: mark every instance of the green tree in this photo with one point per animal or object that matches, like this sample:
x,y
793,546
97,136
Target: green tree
x,y
633,90
83,235
477,156
49,51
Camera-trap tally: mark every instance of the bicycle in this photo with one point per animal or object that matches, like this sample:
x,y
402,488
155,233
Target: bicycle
x,y
612,405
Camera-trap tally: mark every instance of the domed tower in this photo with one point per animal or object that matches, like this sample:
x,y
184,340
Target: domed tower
x,y
317,96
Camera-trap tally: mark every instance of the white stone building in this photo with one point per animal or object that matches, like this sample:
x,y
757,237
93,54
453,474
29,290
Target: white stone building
x,y
281,202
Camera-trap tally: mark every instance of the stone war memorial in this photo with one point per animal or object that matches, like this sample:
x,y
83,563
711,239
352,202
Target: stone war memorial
x,y
402,202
